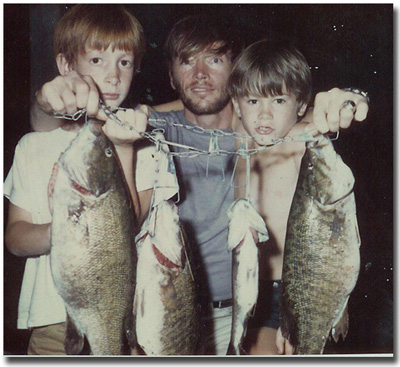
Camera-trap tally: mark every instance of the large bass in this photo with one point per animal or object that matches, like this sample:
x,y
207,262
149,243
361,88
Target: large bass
x,y
321,258
93,258
166,305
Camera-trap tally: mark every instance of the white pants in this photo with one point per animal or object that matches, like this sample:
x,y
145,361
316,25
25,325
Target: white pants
x,y
217,330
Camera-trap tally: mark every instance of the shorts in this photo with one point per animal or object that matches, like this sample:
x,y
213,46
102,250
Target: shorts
x,y
47,340
266,313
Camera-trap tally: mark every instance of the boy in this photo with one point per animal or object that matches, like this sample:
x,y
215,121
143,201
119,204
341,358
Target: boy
x,y
270,85
105,44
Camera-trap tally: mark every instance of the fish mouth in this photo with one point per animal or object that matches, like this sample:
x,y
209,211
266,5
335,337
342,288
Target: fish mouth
x,y
81,189
163,260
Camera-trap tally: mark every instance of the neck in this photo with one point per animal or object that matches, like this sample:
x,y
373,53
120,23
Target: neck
x,y
220,120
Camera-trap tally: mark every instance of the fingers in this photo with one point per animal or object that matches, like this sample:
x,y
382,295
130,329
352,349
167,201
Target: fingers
x,y
338,109
283,344
122,135
68,93
280,342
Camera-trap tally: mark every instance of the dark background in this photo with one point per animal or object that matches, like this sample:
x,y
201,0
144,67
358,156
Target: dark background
x,y
346,45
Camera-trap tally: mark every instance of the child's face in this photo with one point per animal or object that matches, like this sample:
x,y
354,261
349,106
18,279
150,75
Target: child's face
x,y
112,71
268,118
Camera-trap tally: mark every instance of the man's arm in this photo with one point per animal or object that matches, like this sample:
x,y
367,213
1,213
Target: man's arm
x,y
169,106
22,237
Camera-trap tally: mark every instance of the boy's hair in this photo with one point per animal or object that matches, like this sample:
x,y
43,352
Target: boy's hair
x,y
98,27
195,34
265,67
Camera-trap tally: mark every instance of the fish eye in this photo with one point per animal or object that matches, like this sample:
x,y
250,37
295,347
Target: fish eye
x,y
108,152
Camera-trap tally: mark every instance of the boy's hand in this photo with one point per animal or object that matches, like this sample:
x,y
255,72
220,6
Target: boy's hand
x,y
283,345
332,110
123,137
69,93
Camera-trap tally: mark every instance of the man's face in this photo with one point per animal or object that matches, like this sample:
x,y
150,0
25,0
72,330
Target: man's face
x,y
201,81
112,71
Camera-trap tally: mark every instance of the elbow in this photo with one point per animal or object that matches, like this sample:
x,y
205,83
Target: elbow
x,y
12,244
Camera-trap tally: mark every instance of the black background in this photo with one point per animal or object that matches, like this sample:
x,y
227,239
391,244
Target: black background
x,y
345,45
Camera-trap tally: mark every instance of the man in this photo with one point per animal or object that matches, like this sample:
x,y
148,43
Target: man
x,y
200,54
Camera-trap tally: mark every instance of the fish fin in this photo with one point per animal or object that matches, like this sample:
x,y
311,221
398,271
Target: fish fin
x,y
341,324
74,338
231,350
130,329
243,217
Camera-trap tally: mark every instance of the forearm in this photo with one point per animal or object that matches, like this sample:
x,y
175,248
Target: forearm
x,y
42,121
27,239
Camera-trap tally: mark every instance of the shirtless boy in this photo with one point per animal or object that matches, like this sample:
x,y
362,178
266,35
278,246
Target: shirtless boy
x,y
271,86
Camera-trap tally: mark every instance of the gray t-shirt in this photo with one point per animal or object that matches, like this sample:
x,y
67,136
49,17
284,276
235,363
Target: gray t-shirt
x,y
205,196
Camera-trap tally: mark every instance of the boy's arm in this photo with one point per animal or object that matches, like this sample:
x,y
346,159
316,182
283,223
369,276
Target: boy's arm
x,y
123,140
64,94
22,237
329,113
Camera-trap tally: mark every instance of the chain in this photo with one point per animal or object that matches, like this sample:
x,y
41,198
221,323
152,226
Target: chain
x,y
191,152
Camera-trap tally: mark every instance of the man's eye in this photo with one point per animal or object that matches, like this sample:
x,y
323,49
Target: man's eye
x,y
216,60
187,61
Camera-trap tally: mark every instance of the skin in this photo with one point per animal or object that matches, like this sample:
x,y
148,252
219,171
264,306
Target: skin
x,y
273,179
111,73
201,81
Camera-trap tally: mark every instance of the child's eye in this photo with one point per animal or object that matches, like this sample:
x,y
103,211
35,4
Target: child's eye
x,y
95,60
252,101
126,63
280,101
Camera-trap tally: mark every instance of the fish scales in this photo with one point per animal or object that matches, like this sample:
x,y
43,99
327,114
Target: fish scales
x,y
321,258
166,304
93,255
246,230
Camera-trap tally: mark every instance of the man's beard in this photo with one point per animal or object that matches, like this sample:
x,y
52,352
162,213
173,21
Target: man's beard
x,y
212,108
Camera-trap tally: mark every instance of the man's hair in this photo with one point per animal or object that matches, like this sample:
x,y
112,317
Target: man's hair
x,y
194,34
98,27
265,67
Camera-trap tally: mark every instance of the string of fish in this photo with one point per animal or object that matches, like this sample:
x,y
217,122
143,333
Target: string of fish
x,y
192,152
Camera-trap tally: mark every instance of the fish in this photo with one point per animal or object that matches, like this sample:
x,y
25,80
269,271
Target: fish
x,y
321,255
93,256
246,229
166,309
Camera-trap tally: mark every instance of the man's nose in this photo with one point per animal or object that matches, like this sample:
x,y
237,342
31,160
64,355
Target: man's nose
x,y
200,70
113,75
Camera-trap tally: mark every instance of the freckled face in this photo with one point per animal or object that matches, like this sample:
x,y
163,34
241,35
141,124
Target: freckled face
x,y
201,81
112,72
268,118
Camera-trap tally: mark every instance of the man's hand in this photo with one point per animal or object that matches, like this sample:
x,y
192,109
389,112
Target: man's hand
x,y
123,136
69,93
332,110
283,345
